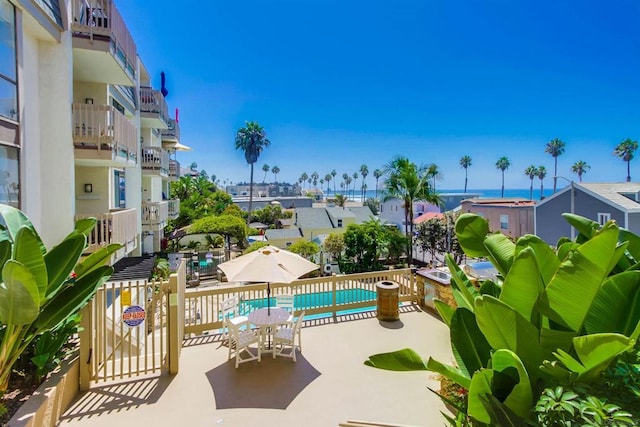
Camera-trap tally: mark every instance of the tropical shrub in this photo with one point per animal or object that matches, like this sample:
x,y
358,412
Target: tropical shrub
x,y
304,248
555,317
40,289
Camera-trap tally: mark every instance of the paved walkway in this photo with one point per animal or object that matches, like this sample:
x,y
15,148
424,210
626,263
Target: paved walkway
x,y
329,384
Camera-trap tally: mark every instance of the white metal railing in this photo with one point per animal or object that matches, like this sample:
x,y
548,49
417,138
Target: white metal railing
x,y
173,132
152,101
322,295
174,169
99,125
155,213
101,18
117,226
174,208
155,158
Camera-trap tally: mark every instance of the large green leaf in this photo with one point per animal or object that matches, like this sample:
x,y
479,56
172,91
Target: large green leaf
x,y
585,226
501,415
500,250
546,258
71,299
19,299
520,400
479,388
489,287
471,230
616,307
27,252
85,225
453,373
61,260
13,219
463,290
400,360
523,285
470,348
568,298
553,339
445,310
96,259
5,252
633,246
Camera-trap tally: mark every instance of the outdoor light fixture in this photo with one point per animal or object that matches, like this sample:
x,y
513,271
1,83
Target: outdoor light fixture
x,y
88,188
88,100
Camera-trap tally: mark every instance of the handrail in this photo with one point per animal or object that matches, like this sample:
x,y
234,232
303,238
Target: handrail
x,y
100,124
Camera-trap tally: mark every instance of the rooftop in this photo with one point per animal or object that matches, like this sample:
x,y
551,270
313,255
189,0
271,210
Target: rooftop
x,y
622,194
328,384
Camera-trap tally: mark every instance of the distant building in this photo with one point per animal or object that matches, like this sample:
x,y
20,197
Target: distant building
x,y
283,238
392,211
451,201
599,202
511,216
284,202
264,190
314,222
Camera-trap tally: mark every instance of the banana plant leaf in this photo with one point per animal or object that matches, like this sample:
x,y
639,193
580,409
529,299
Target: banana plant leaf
x,y
400,360
520,400
27,252
480,387
470,348
523,285
500,250
61,260
461,287
19,297
5,252
546,258
616,307
565,249
585,226
451,372
85,226
633,240
489,287
96,259
444,310
471,231
12,220
501,414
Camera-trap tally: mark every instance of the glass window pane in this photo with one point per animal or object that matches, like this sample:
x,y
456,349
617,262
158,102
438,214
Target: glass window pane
x,y
7,40
8,99
9,176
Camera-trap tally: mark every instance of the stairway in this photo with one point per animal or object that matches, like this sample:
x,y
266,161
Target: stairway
x,y
133,268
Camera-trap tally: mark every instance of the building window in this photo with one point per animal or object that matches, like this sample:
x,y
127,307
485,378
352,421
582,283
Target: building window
x,y
9,176
504,222
120,200
603,218
339,223
8,66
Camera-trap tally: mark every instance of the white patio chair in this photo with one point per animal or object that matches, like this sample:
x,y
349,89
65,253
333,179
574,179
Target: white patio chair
x,y
240,341
285,337
230,315
286,301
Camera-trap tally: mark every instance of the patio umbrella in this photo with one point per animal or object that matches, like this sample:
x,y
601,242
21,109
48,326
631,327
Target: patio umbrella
x,y
268,264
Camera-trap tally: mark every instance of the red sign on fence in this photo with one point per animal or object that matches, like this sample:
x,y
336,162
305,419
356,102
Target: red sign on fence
x,y
133,315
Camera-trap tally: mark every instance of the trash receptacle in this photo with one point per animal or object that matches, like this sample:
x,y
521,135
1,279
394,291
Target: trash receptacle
x,y
387,293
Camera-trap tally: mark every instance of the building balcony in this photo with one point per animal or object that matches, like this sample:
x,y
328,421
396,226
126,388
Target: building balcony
x,y
155,161
174,208
115,226
103,136
103,49
155,215
171,135
154,112
174,170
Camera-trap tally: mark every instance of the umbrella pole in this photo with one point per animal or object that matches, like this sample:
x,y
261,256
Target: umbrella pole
x,y
268,300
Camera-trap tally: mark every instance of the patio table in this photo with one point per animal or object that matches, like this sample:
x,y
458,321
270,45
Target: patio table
x,y
267,322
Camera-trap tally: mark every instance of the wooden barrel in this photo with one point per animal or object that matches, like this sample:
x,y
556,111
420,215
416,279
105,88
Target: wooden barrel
x,y
387,293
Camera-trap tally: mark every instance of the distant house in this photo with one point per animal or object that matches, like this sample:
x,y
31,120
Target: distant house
x,y
511,216
261,202
599,202
392,211
314,222
282,238
451,201
427,216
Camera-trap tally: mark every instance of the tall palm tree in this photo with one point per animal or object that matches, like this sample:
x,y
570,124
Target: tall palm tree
x,y
345,176
193,167
555,147
434,173
364,171
333,177
275,171
542,173
580,168
531,172
251,139
304,177
314,179
355,181
408,182
626,150
265,168
503,164
465,162
348,185
327,178
377,174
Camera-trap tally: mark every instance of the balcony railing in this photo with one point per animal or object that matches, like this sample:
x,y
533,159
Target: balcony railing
x,y
174,169
155,213
154,106
155,159
103,127
116,226
100,19
174,208
172,134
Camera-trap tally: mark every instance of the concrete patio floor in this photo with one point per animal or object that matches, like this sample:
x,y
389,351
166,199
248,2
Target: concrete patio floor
x,y
329,383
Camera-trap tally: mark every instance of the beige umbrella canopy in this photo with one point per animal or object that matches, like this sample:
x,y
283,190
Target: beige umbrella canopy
x,y
268,264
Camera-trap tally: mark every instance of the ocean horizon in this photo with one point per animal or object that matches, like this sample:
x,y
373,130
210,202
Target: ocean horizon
x,y
485,193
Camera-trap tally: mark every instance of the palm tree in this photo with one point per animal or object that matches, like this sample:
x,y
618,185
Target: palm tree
x,y
364,171
542,173
355,181
193,167
251,139
408,182
434,173
333,177
304,177
555,147
275,171
327,178
265,169
345,176
314,178
626,150
580,168
503,164
465,162
531,172
348,185
377,174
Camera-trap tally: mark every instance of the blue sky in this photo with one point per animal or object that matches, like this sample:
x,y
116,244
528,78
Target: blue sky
x,y
338,84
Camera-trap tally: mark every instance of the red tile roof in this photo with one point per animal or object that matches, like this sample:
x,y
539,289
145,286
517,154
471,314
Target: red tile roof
x,y
427,216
